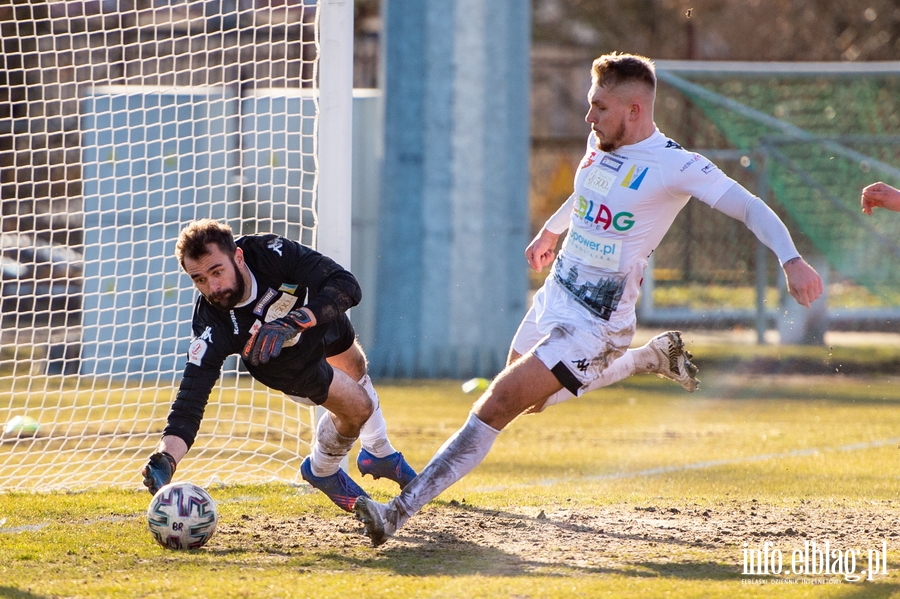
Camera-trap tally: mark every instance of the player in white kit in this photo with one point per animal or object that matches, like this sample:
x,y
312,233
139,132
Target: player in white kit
x,y
629,188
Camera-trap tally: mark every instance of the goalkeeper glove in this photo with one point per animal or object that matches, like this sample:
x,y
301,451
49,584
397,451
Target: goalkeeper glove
x,y
158,471
268,341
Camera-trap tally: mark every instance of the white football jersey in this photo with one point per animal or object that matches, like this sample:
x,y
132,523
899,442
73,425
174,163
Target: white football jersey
x,y
623,204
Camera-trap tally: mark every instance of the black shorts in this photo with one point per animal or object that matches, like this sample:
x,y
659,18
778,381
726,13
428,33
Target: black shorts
x,y
301,370
339,337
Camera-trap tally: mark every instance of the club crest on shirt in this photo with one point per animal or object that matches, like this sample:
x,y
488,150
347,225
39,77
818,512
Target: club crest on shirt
x,y
588,160
635,176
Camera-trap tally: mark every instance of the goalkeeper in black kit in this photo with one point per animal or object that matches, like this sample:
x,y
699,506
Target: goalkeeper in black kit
x,y
281,306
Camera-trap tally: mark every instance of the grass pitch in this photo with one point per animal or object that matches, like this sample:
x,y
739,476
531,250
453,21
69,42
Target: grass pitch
x,y
640,489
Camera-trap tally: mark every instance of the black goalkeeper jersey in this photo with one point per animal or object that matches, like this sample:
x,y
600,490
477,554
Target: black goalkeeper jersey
x,y
287,276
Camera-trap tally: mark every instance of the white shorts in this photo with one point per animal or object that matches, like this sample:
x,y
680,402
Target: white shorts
x,y
573,343
303,401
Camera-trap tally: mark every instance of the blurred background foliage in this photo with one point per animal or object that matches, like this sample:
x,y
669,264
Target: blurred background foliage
x,y
753,30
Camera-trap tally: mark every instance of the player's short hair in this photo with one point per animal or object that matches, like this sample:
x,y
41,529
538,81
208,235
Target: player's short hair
x,y
193,241
614,69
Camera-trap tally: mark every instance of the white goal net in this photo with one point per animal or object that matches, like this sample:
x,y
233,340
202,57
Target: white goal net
x,y
122,121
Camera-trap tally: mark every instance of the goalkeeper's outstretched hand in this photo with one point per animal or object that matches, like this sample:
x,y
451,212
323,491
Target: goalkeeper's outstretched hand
x,y
158,471
271,337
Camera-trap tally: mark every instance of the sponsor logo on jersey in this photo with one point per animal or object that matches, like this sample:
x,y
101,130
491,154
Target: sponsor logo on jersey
x,y
589,160
275,245
708,168
234,323
288,288
694,158
672,144
207,335
595,250
600,296
281,307
611,163
600,214
196,351
267,297
599,181
635,176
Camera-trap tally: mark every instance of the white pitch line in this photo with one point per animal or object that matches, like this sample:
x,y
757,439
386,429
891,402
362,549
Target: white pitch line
x,y
796,453
26,528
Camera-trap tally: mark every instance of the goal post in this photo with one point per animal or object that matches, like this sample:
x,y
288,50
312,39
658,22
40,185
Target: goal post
x,y
335,139
118,127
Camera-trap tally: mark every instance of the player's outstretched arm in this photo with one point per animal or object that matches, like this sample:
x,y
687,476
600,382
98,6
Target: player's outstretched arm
x,y
880,195
160,467
803,282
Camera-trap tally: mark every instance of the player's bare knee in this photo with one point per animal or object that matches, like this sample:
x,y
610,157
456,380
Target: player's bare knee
x,y
366,408
497,409
348,401
349,416
360,414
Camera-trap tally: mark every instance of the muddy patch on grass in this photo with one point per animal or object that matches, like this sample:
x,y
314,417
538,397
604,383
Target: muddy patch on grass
x,y
705,541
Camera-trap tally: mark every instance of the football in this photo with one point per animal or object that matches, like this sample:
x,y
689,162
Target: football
x,y
182,516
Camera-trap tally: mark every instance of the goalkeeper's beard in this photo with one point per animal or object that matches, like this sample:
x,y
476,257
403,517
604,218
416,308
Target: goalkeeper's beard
x,y
226,299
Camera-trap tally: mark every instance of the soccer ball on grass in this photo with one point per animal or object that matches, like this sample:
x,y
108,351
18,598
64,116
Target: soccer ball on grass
x,y
182,516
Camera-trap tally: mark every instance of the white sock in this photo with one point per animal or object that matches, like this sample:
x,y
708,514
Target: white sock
x,y
621,368
644,359
373,434
329,449
456,458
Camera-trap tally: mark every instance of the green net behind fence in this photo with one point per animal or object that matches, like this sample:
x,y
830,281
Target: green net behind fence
x,y
820,139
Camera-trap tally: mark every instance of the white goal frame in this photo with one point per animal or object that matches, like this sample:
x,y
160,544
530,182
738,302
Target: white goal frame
x,y
79,434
